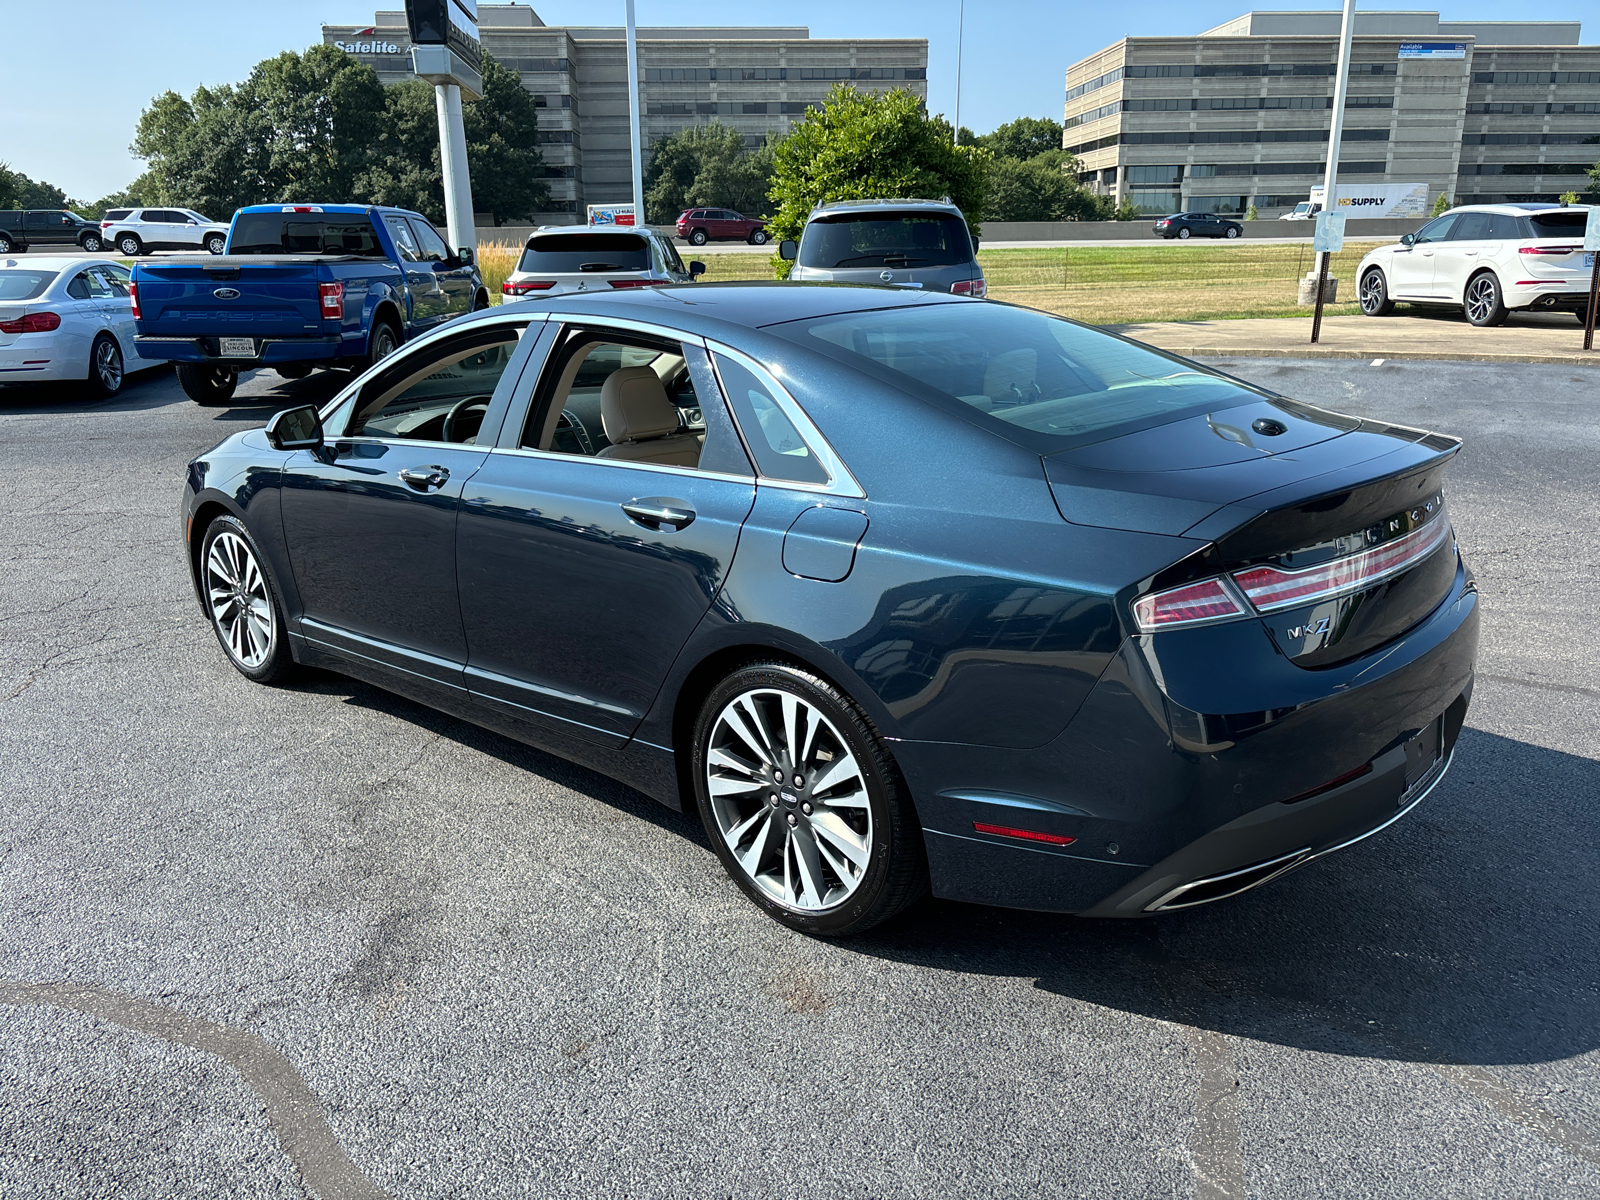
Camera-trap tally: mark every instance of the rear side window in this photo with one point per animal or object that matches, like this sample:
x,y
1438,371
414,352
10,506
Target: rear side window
x,y
779,450
25,285
304,233
1558,224
116,214
570,252
914,239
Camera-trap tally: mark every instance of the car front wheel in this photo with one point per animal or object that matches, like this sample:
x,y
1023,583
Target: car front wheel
x,y
245,613
697,237
207,385
1233,232
803,804
1375,300
91,243
1484,304
758,237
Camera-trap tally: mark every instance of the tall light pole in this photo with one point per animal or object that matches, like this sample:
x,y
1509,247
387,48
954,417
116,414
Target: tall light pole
x,y
1330,177
633,120
961,28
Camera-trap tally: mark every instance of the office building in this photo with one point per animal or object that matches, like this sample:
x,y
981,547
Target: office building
x,y
1481,111
759,80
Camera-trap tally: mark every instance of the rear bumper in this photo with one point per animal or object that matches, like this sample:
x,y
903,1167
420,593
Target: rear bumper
x,y
269,350
1558,294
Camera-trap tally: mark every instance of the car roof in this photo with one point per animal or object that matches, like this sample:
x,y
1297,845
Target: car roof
x,y
847,207
1517,210
51,262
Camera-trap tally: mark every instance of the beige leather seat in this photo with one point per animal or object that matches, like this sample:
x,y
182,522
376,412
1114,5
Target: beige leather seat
x,y
642,423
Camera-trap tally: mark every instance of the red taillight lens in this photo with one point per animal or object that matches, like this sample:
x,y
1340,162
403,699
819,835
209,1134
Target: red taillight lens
x,y
133,295
39,322
631,283
1027,835
1549,249
1191,604
970,287
332,300
1271,589
522,287
105,224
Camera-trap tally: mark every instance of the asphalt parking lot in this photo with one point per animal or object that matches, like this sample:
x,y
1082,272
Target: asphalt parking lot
x,y
317,940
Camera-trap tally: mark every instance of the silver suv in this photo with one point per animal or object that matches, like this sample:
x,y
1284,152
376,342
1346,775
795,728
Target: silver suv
x,y
893,243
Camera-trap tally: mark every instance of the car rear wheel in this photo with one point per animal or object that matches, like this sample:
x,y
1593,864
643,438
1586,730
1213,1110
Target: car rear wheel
x,y
245,613
480,302
130,245
207,385
215,243
105,367
91,243
1184,234
803,804
1375,300
758,237
697,237
1484,304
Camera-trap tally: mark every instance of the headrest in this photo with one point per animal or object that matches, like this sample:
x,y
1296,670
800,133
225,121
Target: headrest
x,y
634,406
1010,376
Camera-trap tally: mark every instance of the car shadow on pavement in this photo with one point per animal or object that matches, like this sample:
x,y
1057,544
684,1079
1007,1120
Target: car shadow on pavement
x,y
1466,934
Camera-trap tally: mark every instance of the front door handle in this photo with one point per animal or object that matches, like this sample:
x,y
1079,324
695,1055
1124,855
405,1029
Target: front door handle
x,y
655,511
423,478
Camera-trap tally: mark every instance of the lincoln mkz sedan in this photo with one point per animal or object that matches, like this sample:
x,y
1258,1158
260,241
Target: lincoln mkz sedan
x,y
900,591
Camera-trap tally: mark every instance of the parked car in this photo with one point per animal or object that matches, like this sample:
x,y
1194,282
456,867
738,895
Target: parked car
x,y
697,226
1197,224
140,230
569,258
301,286
902,243
67,319
1487,260
896,590
28,228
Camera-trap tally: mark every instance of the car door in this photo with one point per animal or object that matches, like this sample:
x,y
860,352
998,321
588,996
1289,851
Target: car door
x,y
117,307
370,518
1457,258
455,276
422,285
586,564
81,319
48,228
1411,267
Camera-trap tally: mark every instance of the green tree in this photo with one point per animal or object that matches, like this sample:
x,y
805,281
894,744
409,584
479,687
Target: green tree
x,y
861,145
1251,214
1023,138
503,155
1441,205
18,191
403,170
1042,188
1594,180
706,164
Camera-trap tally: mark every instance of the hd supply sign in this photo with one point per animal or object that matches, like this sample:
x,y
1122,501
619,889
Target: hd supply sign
x,y
1433,50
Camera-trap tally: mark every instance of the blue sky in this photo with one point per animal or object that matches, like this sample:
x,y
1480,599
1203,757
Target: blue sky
x,y
78,109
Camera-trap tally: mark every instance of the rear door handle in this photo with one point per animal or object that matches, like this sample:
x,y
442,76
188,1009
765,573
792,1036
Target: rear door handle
x,y
424,478
655,511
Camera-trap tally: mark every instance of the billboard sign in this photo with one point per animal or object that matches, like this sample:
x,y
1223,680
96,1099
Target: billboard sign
x,y
1360,201
1433,50
611,214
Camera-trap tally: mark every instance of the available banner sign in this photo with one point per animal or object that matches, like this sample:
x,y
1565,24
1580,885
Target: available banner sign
x,y
1433,50
1360,201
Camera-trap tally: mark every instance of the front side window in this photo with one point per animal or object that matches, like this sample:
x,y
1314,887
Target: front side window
x,y
1437,230
776,445
433,246
914,239
113,277
440,396
1044,382
404,240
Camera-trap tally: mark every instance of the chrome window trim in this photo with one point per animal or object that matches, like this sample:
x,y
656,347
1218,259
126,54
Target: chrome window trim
x,y
558,456
840,481
629,326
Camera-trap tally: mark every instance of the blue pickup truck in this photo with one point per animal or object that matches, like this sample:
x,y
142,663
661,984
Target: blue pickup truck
x,y
300,286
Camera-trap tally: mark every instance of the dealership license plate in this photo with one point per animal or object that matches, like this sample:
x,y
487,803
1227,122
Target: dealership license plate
x,y
1588,259
237,347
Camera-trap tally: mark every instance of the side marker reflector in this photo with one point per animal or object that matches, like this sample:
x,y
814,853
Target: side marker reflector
x,y
1027,835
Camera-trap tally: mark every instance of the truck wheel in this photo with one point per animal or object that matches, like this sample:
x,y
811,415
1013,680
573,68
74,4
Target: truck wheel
x,y
5,244
91,243
130,245
293,370
480,302
207,385
215,242
384,342
697,237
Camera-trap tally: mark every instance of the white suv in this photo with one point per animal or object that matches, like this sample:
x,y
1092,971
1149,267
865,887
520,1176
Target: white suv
x,y
140,230
578,258
1487,260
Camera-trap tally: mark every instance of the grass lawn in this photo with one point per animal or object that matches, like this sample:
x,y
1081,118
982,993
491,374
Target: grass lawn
x,y
1110,285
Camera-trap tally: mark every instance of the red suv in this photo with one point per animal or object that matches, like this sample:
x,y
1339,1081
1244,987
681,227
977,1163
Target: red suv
x,y
702,225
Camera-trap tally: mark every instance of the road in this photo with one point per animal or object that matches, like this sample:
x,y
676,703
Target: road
x,y
317,940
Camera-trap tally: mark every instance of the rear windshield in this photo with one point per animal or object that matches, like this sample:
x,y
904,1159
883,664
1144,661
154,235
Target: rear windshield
x,y
24,285
1558,224
1047,383
564,252
913,239
304,233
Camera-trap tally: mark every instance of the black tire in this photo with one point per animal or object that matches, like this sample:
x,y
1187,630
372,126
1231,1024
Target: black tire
x,y
207,385
130,245
293,370
223,602
1483,301
216,243
758,237
106,368
1232,232
697,237
480,302
383,342
91,243
1374,294
1183,234
895,873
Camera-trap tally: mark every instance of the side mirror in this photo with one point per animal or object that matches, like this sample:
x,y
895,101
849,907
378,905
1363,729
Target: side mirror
x,y
789,249
295,429
975,241
696,268
466,256
1408,239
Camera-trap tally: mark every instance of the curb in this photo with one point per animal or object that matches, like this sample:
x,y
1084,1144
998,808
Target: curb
x,y
1577,359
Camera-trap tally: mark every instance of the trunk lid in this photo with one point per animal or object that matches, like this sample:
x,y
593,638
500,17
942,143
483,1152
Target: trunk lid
x,y
230,294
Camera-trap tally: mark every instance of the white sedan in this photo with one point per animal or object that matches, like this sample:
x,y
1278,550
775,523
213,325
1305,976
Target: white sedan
x,y
67,319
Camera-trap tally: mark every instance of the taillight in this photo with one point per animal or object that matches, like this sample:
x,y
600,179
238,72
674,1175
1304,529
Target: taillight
x,y
978,288
522,287
39,322
1191,604
105,224
1549,249
133,296
631,283
1271,589
332,300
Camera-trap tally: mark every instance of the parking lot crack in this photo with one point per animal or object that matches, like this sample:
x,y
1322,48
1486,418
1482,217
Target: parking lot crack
x,y
1214,1139
294,1111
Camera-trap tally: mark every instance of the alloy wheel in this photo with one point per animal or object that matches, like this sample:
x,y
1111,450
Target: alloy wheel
x,y
91,244
236,592
108,366
129,246
1482,297
1372,292
790,800
1183,233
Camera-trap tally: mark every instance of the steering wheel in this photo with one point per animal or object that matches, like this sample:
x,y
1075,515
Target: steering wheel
x,y
455,413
